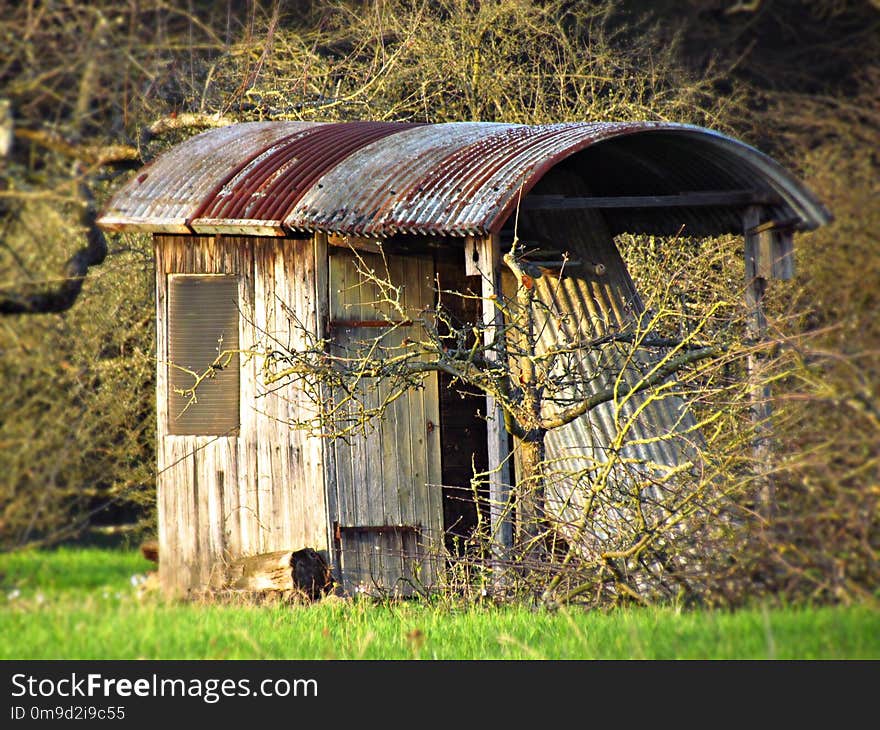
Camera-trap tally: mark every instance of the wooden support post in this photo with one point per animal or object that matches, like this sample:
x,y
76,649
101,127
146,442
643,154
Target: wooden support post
x,y
485,257
758,268
327,452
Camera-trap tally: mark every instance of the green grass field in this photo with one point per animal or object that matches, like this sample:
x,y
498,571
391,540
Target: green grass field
x,y
82,604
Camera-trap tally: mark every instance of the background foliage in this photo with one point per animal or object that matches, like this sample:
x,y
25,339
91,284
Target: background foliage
x,y
110,84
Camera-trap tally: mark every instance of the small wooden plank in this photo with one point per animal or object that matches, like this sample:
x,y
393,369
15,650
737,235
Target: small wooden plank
x,y
354,567
720,198
170,571
368,453
764,255
232,227
264,572
186,508
472,249
358,243
228,489
323,454
393,465
264,320
167,512
783,254
198,504
216,469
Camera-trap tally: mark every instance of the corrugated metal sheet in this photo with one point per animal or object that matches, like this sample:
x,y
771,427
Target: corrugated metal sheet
x,y
643,440
165,195
264,191
384,178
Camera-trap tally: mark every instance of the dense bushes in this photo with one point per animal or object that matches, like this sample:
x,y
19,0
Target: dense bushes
x,y
76,425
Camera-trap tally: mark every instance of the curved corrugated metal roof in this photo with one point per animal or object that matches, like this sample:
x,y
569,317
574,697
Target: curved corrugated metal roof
x,y
384,178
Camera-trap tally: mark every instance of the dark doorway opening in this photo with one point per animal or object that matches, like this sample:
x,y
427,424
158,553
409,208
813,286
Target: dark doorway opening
x,y
462,425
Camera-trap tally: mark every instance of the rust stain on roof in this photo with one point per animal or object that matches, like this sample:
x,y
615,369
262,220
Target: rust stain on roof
x,y
385,178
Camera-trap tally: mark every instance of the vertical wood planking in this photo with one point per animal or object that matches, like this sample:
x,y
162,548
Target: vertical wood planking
x,y
324,464
385,478
247,453
264,296
264,489
499,478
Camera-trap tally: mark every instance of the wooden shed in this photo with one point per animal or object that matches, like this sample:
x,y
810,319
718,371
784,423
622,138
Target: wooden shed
x,y
254,228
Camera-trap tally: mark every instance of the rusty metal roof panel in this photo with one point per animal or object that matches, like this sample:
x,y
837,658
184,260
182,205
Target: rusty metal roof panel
x,y
265,190
456,178
166,194
366,194
384,178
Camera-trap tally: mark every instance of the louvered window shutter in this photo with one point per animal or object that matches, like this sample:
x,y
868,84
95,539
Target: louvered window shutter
x,y
203,337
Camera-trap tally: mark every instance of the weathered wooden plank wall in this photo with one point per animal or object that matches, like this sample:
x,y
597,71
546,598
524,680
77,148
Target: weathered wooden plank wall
x,y
260,489
388,479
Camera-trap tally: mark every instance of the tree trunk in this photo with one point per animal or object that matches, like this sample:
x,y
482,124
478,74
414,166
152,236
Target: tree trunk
x,y
531,518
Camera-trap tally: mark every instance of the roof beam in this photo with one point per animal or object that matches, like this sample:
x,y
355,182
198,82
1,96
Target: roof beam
x,y
720,198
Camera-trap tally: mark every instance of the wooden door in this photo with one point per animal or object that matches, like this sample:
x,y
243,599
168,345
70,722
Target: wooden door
x,y
389,518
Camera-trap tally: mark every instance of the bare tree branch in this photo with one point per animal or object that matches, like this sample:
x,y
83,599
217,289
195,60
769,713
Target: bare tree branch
x,y
63,296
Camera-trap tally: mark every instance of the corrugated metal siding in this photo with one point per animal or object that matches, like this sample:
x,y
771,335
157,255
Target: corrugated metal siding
x,y
384,178
648,436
